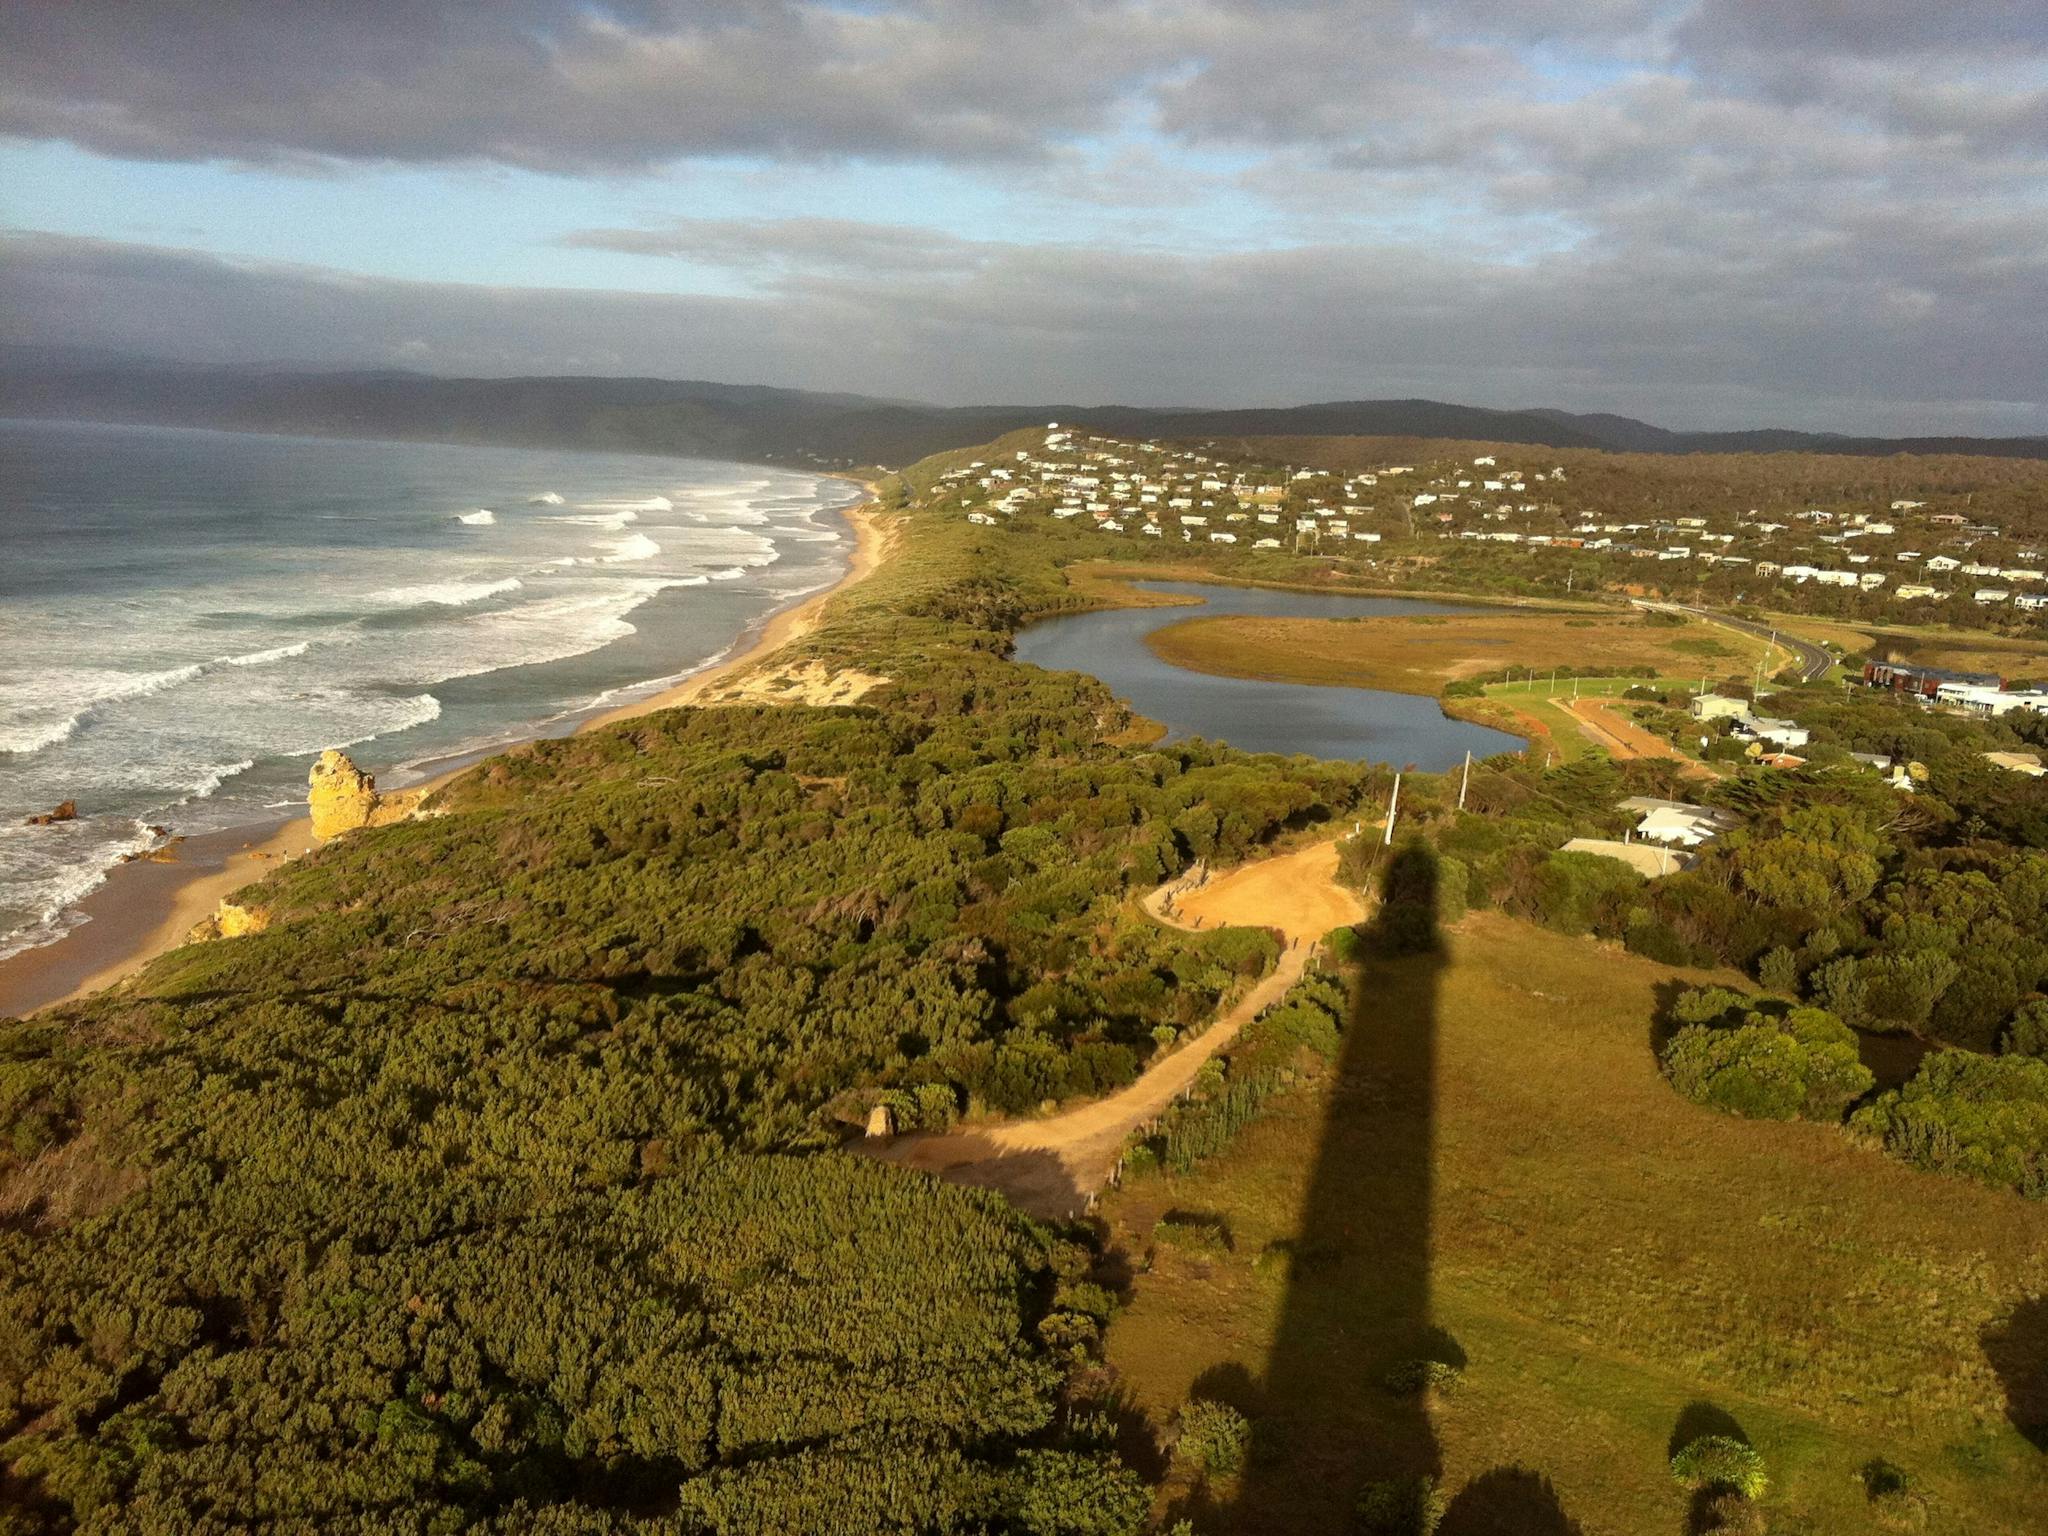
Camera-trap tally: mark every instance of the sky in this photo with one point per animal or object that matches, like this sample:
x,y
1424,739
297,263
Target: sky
x,y
1828,214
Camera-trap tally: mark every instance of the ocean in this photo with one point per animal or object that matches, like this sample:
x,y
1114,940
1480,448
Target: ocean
x,y
187,617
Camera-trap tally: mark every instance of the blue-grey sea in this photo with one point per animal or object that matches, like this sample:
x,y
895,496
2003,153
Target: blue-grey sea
x,y
188,617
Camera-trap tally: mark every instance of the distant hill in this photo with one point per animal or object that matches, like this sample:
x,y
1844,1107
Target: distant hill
x,y
756,422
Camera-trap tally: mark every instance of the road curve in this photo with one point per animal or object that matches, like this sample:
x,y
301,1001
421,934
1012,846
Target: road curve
x,y
1813,660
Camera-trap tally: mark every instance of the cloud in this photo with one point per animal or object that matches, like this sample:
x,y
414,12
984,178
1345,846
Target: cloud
x,y
801,244
1705,207
1692,335
555,85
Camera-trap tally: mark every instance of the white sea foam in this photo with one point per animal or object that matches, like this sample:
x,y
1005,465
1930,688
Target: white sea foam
x,y
481,518
41,711
445,594
637,547
645,504
550,629
730,573
264,658
545,499
52,869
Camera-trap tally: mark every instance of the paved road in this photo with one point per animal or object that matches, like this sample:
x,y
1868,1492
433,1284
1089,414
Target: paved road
x,y
1813,660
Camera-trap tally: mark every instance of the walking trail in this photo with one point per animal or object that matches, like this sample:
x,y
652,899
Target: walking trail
x,y
1051,1167
1621,737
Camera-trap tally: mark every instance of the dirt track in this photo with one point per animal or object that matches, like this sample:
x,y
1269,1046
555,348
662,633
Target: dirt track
x,y
1050,1167
1622,738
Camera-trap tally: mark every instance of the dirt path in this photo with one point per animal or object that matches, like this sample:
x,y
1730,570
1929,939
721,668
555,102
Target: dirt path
x,y
1050,1167
1622,738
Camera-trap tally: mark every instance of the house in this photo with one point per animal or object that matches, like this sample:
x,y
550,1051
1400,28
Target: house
x,y
1646,859
1943,563
1677,822
1718,706
1926,682
1913,590
2028,763
1989,701
1990,595
1763,728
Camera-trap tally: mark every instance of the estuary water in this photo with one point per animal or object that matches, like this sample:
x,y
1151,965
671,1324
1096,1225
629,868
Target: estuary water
x,y
1358,724
188,617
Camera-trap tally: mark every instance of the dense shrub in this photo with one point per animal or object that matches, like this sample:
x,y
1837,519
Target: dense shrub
x,y
1213,1437
1401,1506
2026,1034
1984,1117
1572,892
1721,1461
1801,1065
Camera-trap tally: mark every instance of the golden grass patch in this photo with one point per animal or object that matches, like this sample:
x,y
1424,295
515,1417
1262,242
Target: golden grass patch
x,y
1420,654
1604,1254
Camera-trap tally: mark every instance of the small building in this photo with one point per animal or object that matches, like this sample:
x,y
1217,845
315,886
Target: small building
x,y
2028,763
1779,733
1646,859
1718,706
1925,682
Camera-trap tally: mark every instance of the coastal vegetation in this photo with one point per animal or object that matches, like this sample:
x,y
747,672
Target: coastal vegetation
x,y
489,1185
492,1181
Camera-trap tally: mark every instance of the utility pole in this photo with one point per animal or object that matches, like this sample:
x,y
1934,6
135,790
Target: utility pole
x,y
1393,804
1466,781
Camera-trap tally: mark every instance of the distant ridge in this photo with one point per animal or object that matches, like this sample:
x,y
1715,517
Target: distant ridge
x,y
758,422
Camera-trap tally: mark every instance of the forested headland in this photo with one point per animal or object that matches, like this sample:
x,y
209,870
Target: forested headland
x,y
490,1186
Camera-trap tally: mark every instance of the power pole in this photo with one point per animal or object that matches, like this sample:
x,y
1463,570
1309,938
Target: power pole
x,y
1393,804
1464,782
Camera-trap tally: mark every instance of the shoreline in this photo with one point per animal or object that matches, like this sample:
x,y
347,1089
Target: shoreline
x,y
146,908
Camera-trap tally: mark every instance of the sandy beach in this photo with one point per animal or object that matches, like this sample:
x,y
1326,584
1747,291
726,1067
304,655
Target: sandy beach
x,y
147,907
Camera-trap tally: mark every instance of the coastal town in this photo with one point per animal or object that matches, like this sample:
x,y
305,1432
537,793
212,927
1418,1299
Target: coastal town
x,y
1926,556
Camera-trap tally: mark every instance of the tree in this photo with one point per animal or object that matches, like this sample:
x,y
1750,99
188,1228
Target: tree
x,y
1984,1117
1824,856
1803,1065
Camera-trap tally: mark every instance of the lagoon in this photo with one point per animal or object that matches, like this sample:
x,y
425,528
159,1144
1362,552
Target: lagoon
x,y
1355,724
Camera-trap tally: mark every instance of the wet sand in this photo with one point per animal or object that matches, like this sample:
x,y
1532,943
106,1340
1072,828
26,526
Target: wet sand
x,y
147,907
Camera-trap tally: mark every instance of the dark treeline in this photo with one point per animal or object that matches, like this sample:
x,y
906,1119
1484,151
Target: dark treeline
x,y
492,1187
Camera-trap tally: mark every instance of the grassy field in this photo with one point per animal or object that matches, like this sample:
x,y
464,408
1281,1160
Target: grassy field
x,y
1517,706
1498,1156
1421,654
